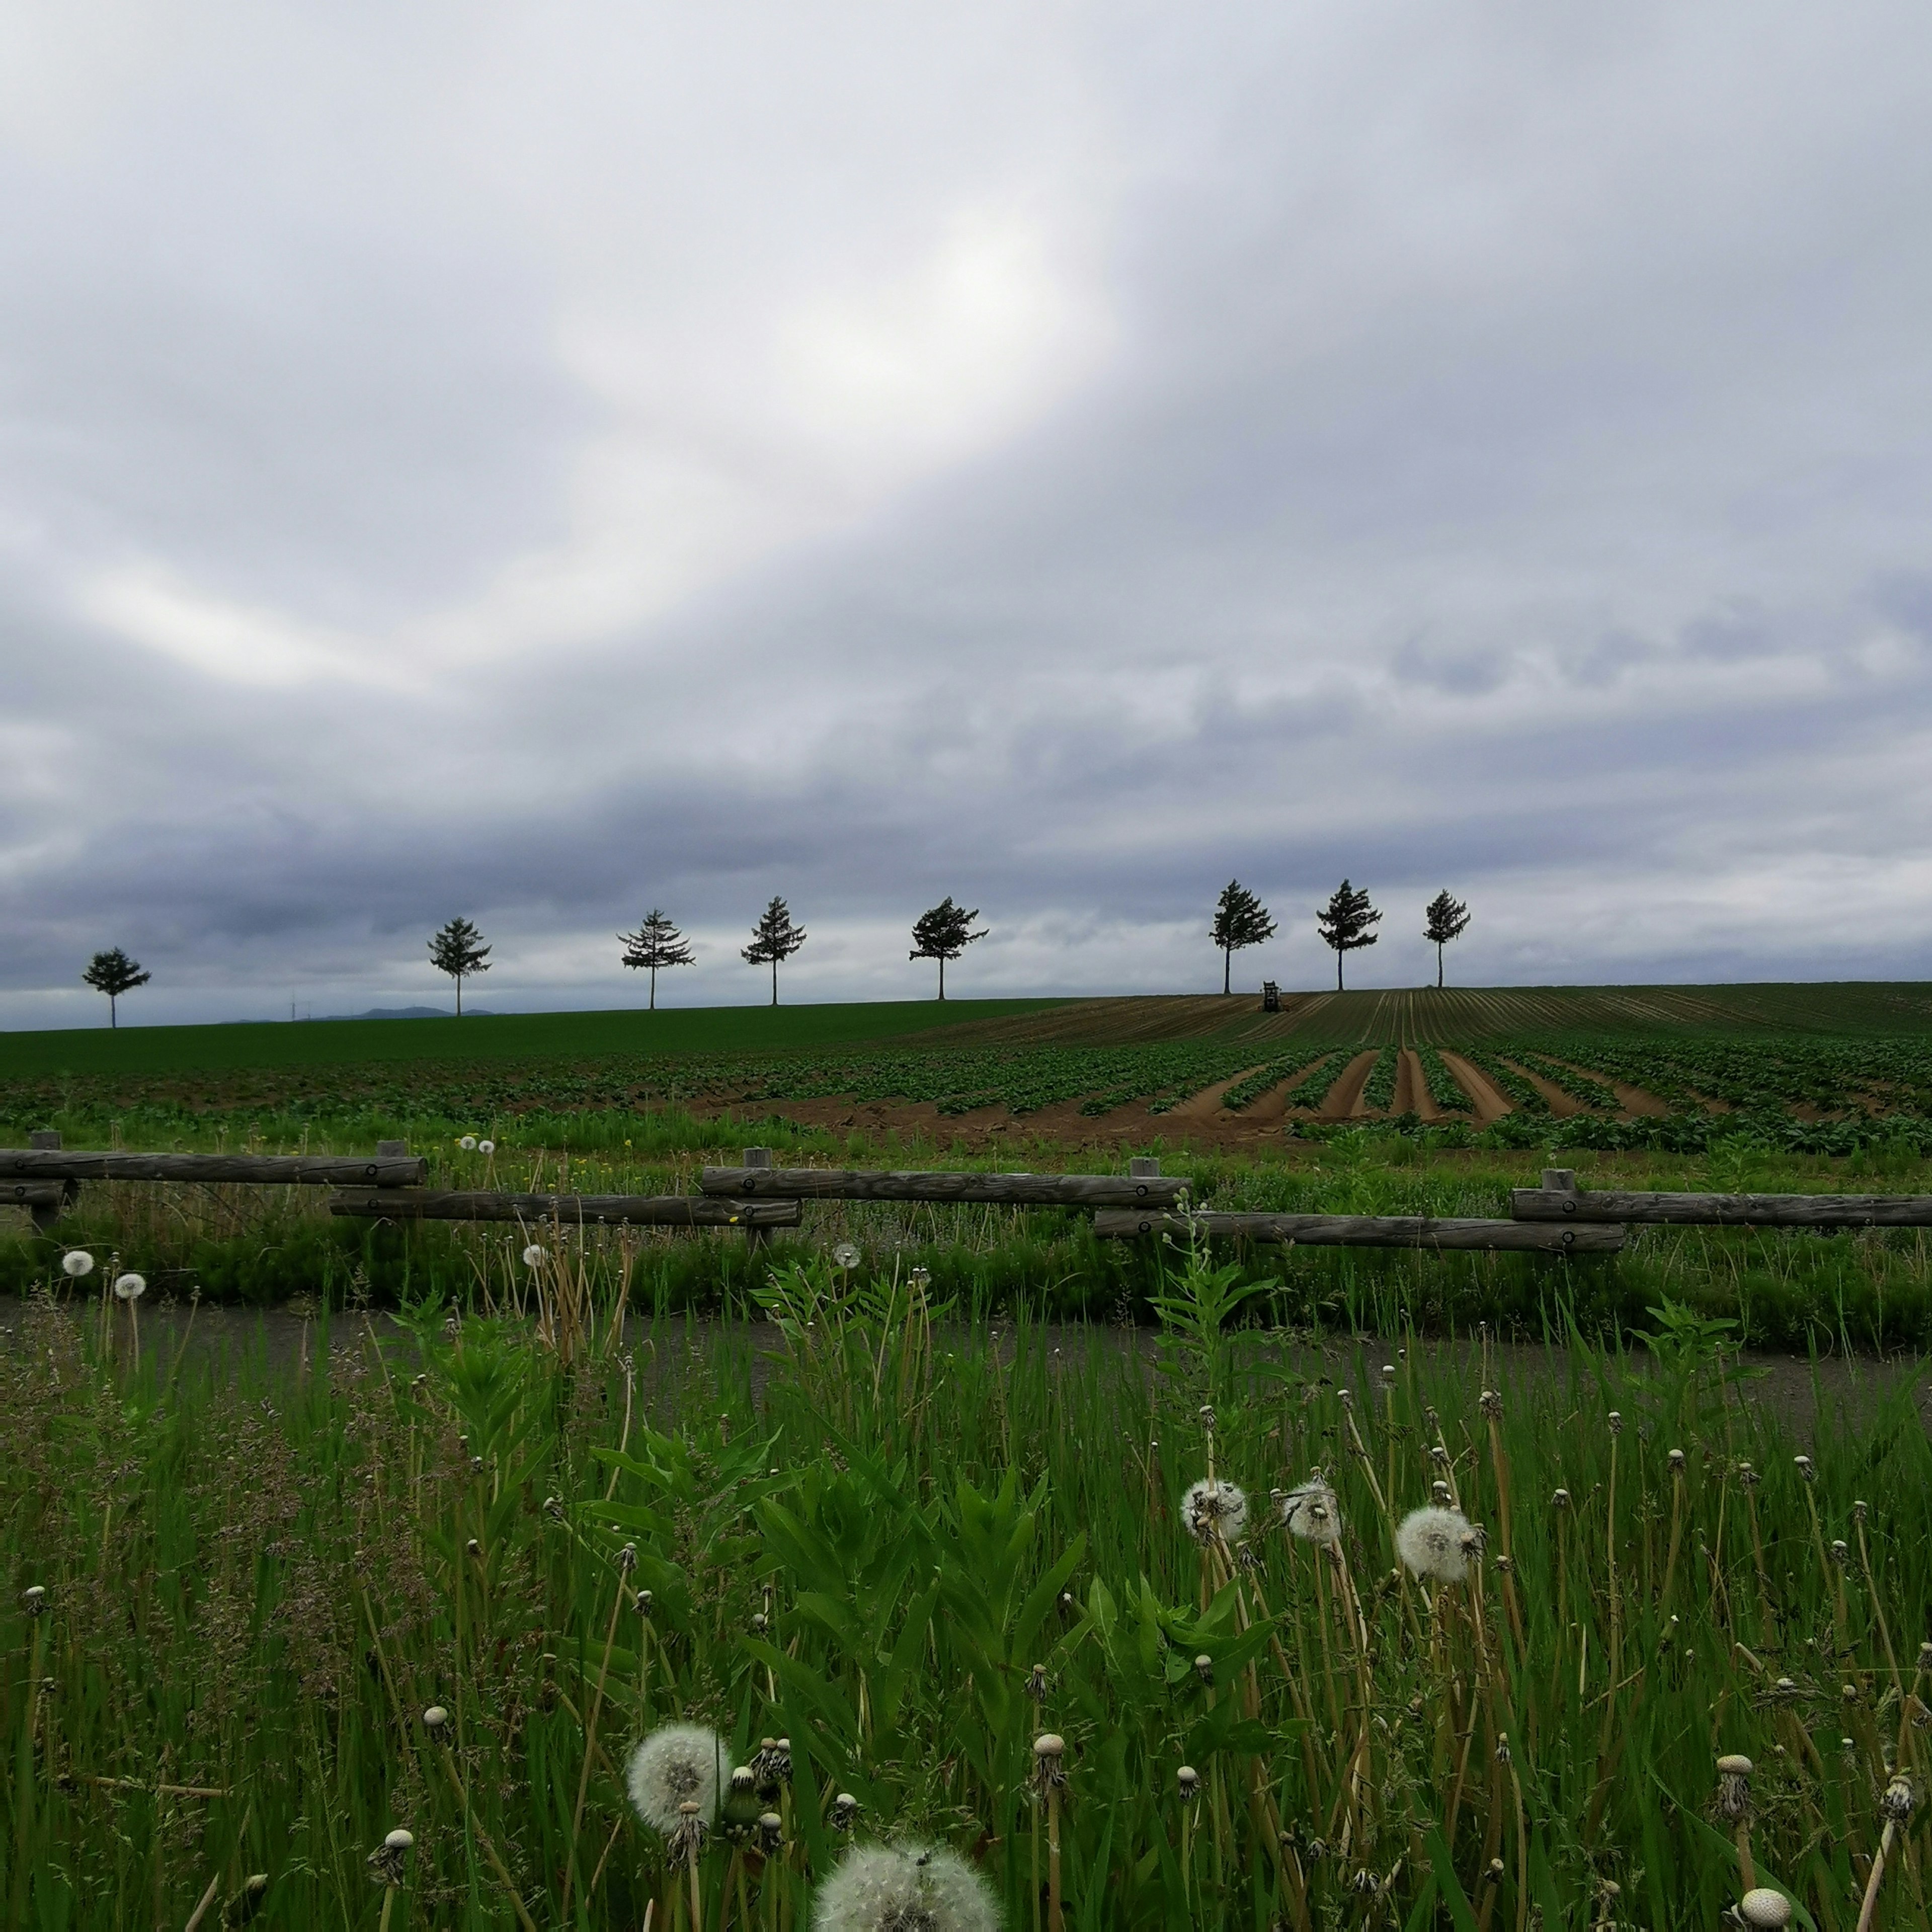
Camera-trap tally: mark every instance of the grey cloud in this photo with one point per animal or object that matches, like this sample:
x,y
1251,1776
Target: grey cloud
x,y
1504,447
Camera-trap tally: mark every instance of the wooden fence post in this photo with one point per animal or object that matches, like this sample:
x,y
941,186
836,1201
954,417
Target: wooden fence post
x,y
44,1217
1144,1167
755,1238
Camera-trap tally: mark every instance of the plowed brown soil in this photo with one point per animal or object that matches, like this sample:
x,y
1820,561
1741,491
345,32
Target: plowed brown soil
x,y
1562,1105
1345,1100
1489,1103
1206,1105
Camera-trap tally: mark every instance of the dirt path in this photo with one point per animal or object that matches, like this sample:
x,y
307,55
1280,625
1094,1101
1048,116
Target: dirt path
x,y
1206,1105
1489,1104
1562,1105
1411,1086
1345,1100
1634,1099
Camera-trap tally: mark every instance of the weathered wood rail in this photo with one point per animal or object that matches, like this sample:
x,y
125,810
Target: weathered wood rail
x,y
1560,1199
1367,1230
30,1164
649,1211
1014,1190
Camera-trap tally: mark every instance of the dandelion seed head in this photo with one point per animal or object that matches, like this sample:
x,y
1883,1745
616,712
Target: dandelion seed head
x,y
1765,1908
399,1840
845,1255
468,1143
1187,1781
486,1146
1310,1512
533,1256
1896,1804
436,1717
77,1262
130,1287
677,1765
1214,1509
1434,1543
905,1887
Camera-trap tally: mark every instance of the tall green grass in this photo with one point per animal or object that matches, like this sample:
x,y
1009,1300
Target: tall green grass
x,y
909,1545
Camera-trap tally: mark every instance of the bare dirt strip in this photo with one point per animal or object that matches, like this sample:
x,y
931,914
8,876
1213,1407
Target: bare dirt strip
x,y
1489,1103
1345,1100
1634,1099
1206,1105
1562,1105
1272,1106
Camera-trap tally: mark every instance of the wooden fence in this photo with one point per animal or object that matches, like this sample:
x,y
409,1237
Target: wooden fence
x,y
1558,1218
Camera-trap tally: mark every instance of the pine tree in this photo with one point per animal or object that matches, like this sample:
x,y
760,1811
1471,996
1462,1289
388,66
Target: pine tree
x,y
943,934
1443,920
1240,920
774,938
656,943
1345,922
113,973
456,950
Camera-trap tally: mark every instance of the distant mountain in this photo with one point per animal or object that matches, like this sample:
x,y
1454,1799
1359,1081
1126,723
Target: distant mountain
x,y
407,1013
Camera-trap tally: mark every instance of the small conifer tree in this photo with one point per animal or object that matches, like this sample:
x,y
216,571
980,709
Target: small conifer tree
x,y
1345,921
458,950
1240,920
655,944
943,934
113,973
774,938
1444,918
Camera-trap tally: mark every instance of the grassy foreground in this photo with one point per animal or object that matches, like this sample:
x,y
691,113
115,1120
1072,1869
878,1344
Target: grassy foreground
x,y
914,1548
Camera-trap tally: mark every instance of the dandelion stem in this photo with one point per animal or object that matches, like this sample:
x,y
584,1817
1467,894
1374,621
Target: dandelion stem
x,y
590,1740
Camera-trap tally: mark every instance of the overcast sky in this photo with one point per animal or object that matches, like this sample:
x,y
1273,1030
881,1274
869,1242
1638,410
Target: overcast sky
x,y
541,462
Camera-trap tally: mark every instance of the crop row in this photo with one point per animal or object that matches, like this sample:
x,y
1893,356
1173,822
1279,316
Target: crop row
x,y
1265,1079
1444,1089
1519,1093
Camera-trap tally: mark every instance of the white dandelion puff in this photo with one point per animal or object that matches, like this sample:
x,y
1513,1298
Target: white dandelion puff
x,y
1437,1543
677,1765
845,1255
533,1256
131,1287
1310,1512
468,1144
887,1888
77,1262
486,1146
1212,1509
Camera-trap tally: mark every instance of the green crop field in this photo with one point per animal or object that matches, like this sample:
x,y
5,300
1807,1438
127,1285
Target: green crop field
x,y
188,1051
1609,1066
519,1499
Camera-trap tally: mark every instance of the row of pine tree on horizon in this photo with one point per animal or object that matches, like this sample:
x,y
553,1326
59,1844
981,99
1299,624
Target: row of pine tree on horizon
x,y
1346,923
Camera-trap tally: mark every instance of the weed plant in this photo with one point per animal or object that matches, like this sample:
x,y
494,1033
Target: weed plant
x,y
439,1578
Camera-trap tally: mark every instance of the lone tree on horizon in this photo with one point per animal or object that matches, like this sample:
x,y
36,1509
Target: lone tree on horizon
x,y
457,950
1443,920
656,943
113,973
1241,919
943,934
774,938
1345,922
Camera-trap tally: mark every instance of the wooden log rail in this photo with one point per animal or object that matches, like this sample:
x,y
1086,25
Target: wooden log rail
x,y
1560,1199
1368,1231
262,1169
1015,1190
649,1211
